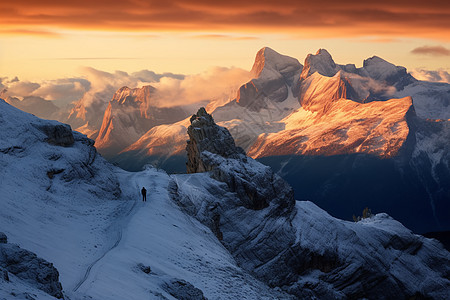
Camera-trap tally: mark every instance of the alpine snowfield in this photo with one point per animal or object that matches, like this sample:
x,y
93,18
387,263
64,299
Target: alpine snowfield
x,y
88,219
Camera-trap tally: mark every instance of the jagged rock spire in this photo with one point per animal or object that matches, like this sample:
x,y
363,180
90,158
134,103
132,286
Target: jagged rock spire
x,y
205,135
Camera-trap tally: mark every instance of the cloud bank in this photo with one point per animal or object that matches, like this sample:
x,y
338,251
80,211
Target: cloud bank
x,y
97,87
434,76
431,50
315,18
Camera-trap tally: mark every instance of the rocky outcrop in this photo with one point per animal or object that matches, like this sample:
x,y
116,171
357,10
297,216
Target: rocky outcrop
x,y
183,290
297,246
129,115
208,148
3,238
28,267
58,135
69,156
205,135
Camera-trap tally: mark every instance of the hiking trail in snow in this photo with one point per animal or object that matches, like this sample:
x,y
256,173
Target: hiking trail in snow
x,y
128,209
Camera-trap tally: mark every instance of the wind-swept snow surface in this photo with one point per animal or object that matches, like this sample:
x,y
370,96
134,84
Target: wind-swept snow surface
x,y
70,207
234,232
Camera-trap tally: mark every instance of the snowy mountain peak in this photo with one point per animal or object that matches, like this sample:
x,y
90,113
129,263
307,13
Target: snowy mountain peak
x,y
382,70
274,74
267,58
321,62
323,53
378,67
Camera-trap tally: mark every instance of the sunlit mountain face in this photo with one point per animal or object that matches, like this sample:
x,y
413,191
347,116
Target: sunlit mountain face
x,y
344,137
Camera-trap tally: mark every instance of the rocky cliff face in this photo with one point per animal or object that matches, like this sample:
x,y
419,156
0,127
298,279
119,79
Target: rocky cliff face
x,y
129,115
210,146
26,266
295,245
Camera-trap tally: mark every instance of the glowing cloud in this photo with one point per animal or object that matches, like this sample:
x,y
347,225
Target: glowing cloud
x,y
432,50
317,18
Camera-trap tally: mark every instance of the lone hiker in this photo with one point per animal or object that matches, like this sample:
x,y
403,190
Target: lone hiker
x,y
144,194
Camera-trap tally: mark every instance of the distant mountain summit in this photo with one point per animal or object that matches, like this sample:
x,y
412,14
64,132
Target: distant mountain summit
x,y
274,75
129,115
321,62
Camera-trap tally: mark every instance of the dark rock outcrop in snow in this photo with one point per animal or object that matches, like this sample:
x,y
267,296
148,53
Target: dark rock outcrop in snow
x,y
205,135
321,62
183,290
3,238
30,268
299,247
211,145
59,135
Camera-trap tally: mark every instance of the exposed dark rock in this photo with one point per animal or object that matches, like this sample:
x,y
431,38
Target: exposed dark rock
x,y
205,135
144,268
3,238
30,268
59,135
52,173
5,275
183,290
381,70
210,145
13,150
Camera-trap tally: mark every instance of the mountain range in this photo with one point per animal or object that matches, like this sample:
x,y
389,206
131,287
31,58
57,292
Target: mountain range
x,y
344,137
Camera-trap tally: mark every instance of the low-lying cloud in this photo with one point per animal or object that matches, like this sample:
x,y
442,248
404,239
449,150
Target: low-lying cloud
x,y
431,51
434,76
62,91
96,87
214,84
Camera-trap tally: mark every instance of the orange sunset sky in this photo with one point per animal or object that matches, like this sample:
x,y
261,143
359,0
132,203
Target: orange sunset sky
x,y
54,39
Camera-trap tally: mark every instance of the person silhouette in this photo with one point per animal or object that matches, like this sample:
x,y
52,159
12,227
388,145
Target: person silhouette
x,y
144,194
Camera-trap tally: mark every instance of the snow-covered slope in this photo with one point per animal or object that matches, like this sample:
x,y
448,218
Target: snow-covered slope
x,y
431,99
64,202
225,234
